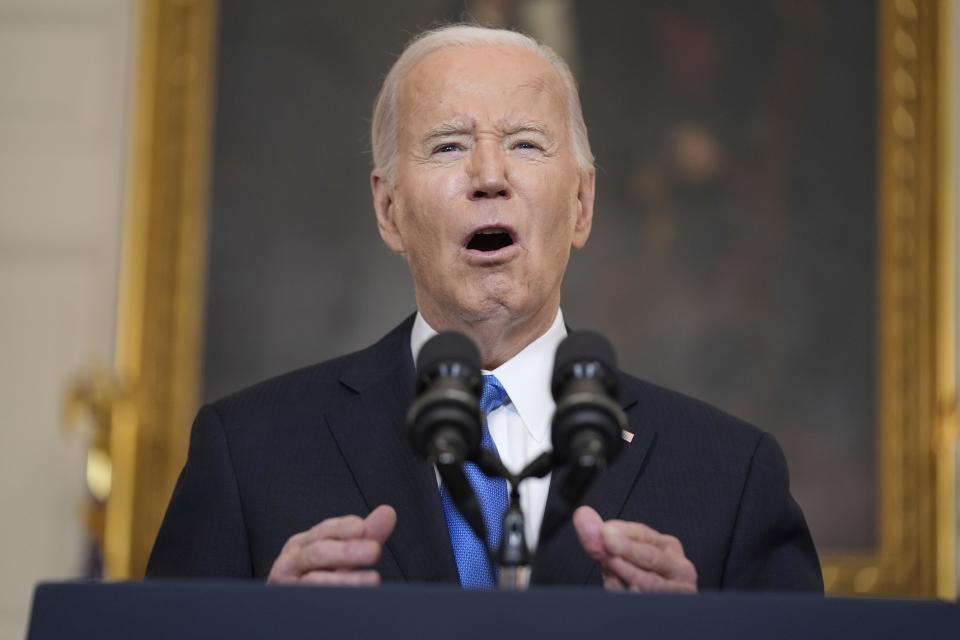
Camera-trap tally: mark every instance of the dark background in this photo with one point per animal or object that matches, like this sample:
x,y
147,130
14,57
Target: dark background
x,y
733,252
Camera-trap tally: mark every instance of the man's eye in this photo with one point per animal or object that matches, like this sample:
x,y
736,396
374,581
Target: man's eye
x,y
447,148
526,144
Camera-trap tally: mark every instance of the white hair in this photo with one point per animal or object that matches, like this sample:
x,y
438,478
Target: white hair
x,y
384,130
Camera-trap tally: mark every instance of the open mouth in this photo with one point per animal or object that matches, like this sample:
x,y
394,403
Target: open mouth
x,y
490,239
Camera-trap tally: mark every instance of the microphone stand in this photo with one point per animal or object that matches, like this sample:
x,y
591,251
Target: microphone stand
x,y
514,555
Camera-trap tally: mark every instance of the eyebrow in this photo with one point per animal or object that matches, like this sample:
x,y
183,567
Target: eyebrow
x,y
451,128
527,126
460,127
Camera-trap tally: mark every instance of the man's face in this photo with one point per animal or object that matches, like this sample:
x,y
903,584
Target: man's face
x,y
487,199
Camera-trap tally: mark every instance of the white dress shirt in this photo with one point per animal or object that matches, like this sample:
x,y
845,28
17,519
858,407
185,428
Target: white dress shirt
x,y
521,428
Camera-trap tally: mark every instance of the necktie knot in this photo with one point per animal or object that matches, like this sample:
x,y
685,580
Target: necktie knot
x,y
493,395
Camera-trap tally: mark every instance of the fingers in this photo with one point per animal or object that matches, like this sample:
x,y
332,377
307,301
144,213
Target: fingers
x,y
669,565
367,578
611,582
642,533
335,554
342,528
323,555
376,526
380,523
588,525
637,579
336,551
633,556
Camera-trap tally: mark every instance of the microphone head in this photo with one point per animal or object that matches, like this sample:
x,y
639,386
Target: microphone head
x,y
584,354
445,415
448,346
588,422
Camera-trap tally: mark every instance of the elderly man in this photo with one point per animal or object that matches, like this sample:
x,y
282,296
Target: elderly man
x,y
484,182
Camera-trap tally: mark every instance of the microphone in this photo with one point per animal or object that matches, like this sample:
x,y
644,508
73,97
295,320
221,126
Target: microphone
x,y
588,423
587,430
444,421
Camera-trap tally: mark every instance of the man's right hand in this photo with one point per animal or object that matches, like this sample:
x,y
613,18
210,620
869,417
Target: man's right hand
x,y
338,551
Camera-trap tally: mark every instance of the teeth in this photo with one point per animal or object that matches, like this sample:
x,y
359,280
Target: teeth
x,y
487,232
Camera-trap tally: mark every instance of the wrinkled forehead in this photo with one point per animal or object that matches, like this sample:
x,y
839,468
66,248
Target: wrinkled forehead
x,y
481,82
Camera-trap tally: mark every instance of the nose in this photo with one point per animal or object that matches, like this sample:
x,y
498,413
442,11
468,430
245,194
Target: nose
x,y
487,169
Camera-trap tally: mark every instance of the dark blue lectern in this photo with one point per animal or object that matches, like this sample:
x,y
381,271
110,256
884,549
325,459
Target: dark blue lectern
x,y
244,610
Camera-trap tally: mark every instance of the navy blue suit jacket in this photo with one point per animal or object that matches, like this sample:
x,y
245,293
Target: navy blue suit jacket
x,y
330,440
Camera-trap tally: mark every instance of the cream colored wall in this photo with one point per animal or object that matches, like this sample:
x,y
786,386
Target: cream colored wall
x,y
64,89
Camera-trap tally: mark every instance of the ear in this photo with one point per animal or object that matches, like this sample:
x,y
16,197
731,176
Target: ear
x,y
385,207
584,221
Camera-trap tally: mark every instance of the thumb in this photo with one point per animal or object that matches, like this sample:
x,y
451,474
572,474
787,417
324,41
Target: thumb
x,y
380,523
587,523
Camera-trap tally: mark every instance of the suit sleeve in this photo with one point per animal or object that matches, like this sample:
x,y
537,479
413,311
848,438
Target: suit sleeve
x,y
203,532
771,547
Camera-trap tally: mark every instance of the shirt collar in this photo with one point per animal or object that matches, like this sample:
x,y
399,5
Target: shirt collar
x,y
526,376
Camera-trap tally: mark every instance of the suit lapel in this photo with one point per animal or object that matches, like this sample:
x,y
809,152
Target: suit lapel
x,y
562,559
371,433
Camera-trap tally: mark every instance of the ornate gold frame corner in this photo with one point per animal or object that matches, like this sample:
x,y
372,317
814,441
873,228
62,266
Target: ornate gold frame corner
x,y
916,383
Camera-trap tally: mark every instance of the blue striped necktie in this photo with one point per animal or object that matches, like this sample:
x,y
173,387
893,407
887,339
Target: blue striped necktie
x,y
468,551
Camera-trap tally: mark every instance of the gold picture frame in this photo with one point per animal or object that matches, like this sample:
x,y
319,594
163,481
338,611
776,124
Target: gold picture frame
x,y
161,296
916,383
160,312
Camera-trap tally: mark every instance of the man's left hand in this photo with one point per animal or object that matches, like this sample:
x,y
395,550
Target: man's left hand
x,y
634,557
